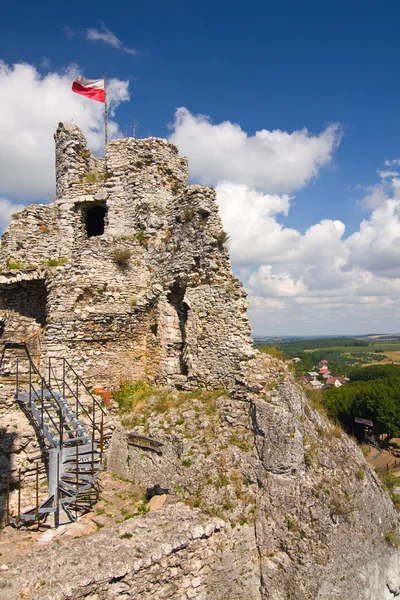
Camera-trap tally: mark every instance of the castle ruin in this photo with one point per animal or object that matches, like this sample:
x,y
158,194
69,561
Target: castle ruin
x,y
127,273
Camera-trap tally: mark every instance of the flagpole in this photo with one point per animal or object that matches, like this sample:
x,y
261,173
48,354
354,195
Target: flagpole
x,y
105,119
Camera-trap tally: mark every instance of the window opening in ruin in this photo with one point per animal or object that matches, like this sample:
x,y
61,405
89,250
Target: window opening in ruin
x,y
28,298
175,297
95,219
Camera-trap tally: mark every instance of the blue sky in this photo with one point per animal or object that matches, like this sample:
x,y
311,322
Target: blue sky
x,y
264,66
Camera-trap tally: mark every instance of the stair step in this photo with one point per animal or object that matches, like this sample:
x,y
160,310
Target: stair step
x,y
68,477
77,439
73,490
82,450
68,500
85,460
71,471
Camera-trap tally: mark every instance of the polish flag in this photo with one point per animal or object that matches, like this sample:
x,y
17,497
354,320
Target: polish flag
x,y
91,88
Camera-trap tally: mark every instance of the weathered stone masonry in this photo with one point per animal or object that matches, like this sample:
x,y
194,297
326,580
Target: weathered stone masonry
x,y
169,310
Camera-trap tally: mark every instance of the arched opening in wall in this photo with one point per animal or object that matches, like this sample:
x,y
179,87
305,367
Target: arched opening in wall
x,y
95,218
175,298
28,298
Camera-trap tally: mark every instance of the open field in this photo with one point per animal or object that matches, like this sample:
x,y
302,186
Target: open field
x,y
382,353
378,348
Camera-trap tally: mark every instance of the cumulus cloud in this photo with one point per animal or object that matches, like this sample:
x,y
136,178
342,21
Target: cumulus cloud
x,y
332,283
108,37
7,208
274,161
68,32
319,281
31,106
376,246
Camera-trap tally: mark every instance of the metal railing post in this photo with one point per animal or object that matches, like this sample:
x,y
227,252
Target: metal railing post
x,y
8,499
17,379
93,452
49,372
76,397
30,385
42,405
101,438
56,494
77,481
61,428
19,496
63,387
37,493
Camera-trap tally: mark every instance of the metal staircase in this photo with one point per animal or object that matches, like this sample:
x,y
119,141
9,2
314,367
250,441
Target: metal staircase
x,y
70,420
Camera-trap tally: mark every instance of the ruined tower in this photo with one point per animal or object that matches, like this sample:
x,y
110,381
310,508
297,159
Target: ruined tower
x,y
127,273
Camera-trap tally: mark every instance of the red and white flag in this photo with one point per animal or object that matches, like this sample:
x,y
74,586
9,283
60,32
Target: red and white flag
x,y
91,88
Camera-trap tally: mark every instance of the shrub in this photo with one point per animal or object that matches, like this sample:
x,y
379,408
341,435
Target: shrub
x,y
222,238
188,213
127,393
14,265
392,539
143,508
125,536
91,177
56,262
141,238
272,351
122,255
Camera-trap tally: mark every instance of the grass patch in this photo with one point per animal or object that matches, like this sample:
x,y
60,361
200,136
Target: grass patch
x,y
56,262
140,399
222,238
130,393
391,539
272,351
142,238
14,265
121,256
360,475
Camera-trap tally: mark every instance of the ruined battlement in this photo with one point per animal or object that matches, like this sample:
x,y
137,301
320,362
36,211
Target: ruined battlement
x,y
145,166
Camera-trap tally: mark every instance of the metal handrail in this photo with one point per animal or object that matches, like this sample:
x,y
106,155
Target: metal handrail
x,y
75,393
39,396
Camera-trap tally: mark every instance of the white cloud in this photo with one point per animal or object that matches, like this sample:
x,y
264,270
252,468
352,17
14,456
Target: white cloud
x,y
385,174
376,246
329,284
7,208
394,162
31,106
314,282
272,161
68,32
108,37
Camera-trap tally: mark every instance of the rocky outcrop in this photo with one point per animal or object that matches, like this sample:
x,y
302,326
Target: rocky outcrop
x,y
173,553
267,500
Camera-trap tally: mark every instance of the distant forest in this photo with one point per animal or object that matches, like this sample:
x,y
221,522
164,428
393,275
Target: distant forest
x,y
337,351
373,393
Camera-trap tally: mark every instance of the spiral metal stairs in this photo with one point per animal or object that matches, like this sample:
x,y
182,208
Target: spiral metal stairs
x,y
69,420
